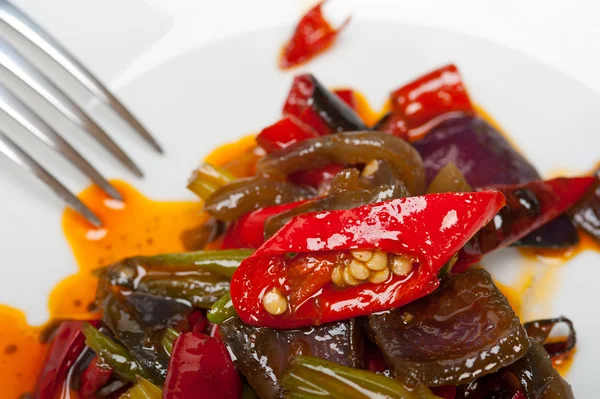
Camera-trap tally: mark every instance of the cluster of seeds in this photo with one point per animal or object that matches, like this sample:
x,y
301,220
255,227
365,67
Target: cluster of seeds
x,y
362,266
372,266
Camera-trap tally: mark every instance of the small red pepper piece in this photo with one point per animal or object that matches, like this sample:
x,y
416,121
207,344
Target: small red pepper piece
x,y
201,367
66,346
316,178
94,377
197,321
528,206
427,101
249,230
347,96
430,228
312,36
285,132
298,103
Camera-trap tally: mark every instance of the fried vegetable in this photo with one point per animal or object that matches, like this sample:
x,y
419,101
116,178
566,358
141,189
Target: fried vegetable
x,y
538,377
312,103
586,214
168,339
244,195
540,331
558,233
143,345
195,239
477,149
143,389
207,179
449,179
464,330
348,148
112,353
199,277
342,200
156,312
309,377
200,367
222,310
263,354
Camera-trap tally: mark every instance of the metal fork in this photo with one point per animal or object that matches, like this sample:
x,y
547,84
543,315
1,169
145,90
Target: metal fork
x,y
21,68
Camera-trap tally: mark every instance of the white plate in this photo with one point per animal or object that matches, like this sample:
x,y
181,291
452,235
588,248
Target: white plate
x,y
222,91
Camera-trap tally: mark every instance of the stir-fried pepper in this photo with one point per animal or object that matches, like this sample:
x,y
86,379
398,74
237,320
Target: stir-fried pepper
x,y
349,148
420,234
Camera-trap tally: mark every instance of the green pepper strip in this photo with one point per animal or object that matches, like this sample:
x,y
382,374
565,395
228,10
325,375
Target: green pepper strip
x,y
168,339
207,179
222,262
222,310
112,353
311,378
143,389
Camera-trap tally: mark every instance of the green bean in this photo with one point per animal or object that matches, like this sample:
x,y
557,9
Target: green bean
x,y
207,179
310,378
143,389
222,310
112,353
168,340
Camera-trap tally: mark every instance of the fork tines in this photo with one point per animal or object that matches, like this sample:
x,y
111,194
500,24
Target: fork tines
x,y
21,68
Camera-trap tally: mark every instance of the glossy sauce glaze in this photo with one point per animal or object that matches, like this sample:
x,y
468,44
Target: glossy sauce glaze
x,y
140,226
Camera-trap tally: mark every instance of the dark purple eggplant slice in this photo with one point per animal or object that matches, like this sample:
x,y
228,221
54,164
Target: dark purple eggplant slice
x,y
479,151
486,158
463,331
586,214
540,330
538,378
262,354
533,375
558,233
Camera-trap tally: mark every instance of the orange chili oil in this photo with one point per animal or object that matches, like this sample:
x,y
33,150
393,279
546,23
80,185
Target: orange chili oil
x,y
152,227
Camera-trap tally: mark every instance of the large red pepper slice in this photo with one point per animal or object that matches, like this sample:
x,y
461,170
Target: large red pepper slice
x,y
201,367
249,230
430,228
285,132
427,101
312,36
528,206
66,346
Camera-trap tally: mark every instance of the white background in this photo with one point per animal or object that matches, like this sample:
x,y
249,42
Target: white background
x,y
115,37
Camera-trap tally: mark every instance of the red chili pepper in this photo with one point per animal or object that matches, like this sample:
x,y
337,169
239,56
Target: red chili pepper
x,y
528,206
201,367
312,36
427,101
519,395
248,230
197,321
347,96
429,229
285,132
298,104
66,346
94,377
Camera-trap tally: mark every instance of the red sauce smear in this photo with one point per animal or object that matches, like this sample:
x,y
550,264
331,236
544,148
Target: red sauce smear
x,y
313,35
